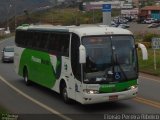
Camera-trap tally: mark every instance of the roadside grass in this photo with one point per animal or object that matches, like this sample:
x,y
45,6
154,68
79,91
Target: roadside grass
x,y
57,16
2,37
66,16
3,110
6,36
147,66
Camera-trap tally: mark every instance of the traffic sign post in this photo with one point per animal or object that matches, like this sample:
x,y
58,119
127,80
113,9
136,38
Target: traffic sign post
x,y
155,46
106,9
155,62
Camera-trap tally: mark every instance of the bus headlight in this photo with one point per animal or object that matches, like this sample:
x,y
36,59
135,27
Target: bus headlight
x,y
89,91
133,87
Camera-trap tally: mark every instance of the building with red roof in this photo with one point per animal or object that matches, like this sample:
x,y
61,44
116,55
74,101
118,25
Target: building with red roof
x,y
150,12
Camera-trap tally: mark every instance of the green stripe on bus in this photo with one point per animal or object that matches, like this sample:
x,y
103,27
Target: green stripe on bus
x,y
117,87
39,66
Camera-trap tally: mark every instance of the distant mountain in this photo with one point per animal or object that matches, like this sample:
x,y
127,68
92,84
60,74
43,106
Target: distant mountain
x,y
9,8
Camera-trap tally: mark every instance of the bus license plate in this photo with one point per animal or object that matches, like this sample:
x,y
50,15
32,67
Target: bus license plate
x,y
113,97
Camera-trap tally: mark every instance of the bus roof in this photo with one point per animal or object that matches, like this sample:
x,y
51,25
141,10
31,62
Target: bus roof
x,y
83,30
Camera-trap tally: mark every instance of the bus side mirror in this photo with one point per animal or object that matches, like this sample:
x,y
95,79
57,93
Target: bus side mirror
x,y
144,51
136,45
82,54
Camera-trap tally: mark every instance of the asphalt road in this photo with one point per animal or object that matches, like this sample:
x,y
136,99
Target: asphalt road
x,y
37,103
142,28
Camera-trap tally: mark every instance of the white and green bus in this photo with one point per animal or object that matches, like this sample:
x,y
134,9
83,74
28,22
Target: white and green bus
x,y
89,64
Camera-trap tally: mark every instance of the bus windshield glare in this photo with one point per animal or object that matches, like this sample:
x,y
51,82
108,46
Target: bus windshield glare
x,y
110,59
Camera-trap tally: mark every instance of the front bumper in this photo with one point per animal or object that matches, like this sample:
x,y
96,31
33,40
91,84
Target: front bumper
x,y
105,97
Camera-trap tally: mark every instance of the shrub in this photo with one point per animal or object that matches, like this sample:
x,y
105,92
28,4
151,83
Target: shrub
x,y
148,37
147,44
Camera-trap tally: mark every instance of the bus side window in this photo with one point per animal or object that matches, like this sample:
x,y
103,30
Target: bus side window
x,y
35,40
56,44
29,38
51,44
25,38
43,41
75,43
59,43
19,38
47,43
64,44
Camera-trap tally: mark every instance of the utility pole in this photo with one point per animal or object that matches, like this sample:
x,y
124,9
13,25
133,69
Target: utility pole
x,y
15,18
8,9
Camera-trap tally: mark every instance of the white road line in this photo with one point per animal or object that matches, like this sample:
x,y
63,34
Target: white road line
x,y
151,79
35,101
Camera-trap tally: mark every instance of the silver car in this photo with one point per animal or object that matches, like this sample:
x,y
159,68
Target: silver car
x,y
8,54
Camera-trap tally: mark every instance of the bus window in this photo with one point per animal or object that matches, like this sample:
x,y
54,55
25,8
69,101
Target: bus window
x,y
43,41
59,43
98,50
75,43
20,41
51,42
35,39
64,44
29,38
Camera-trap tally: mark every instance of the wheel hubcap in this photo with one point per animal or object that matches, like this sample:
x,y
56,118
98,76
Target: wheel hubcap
x,y
26,78
65,94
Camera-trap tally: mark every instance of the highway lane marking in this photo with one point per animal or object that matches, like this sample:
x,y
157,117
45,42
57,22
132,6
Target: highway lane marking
x,y
34,100
151,79
148,102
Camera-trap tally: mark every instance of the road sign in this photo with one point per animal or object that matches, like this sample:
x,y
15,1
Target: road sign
x,y
106,7
155,46
156,43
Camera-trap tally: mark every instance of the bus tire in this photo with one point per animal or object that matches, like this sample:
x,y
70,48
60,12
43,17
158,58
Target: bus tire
x,y
64,93
25,77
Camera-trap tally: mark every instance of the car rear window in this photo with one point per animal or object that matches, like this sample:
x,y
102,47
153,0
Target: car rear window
x,y
9,49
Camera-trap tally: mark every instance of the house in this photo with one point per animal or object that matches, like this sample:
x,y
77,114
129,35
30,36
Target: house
x,y
150,12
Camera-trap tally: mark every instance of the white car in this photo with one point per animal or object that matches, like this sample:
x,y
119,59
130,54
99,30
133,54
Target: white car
x,y
123,26
8,54
153,25
149,20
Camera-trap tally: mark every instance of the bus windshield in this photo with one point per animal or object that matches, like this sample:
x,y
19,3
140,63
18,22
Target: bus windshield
x,y
110,59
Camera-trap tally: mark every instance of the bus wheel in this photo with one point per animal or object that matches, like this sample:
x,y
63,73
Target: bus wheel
x,y
25,75
65,95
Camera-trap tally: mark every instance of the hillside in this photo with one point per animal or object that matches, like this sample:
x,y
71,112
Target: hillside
x,y
9,8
